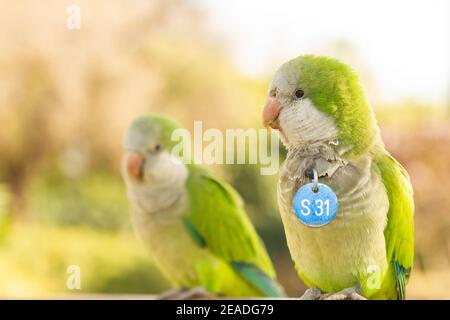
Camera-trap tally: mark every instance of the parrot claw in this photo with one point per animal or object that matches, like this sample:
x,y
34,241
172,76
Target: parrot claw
x,y
198,293
353,293
312,294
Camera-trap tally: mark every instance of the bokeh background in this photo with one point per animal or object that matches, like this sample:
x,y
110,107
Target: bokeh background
x,y
66,97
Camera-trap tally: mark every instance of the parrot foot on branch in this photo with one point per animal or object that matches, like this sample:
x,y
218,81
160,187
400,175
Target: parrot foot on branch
x,y
197,293
312,294
353,293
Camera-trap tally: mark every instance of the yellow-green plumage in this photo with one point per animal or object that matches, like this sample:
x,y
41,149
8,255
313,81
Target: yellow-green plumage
x,y
332,128
193,224
216,212
399,230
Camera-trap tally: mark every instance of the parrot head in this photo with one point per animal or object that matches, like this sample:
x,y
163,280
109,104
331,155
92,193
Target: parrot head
x,y
147,160
316,99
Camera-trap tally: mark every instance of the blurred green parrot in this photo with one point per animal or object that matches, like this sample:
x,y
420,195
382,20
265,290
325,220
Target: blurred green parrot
x,y
318,106
194,225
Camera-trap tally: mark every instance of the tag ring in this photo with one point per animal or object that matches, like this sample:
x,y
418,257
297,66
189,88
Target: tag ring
x,y
315,187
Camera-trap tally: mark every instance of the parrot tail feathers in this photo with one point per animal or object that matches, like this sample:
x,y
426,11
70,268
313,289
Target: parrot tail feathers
x,y
257,278
401,276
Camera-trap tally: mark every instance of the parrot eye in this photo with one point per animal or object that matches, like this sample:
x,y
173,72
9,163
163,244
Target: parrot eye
x,y
299,93
273,93
158,147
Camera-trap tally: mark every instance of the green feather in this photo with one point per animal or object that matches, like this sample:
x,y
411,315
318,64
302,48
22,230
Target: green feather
x,y
195,235
402,276
213,218
335,89
217,216
399,231
258,279
151,128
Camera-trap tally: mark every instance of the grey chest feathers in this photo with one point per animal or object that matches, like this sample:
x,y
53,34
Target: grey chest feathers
x,y
354,240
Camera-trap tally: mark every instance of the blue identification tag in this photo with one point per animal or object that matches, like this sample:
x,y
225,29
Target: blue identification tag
x,y
315,204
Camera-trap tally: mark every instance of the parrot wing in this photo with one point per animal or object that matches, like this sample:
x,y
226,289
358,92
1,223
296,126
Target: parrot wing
x,y
216,219
399,231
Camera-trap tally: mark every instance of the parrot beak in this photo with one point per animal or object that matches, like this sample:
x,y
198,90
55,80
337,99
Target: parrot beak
x,y
135,163
271,112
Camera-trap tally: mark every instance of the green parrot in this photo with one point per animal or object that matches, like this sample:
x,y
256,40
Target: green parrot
x,y
329,129
194,224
